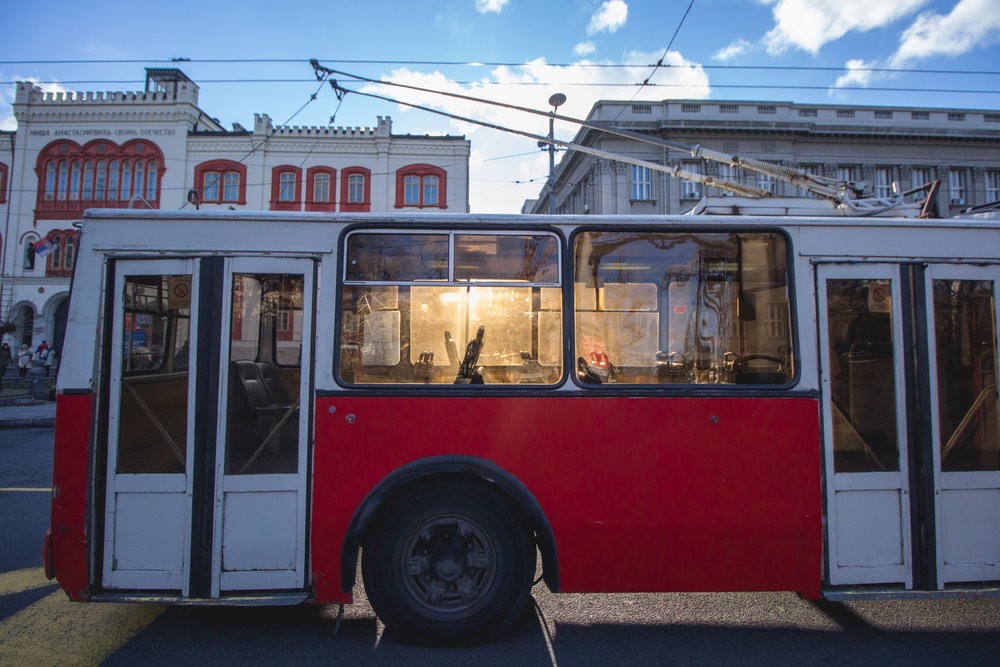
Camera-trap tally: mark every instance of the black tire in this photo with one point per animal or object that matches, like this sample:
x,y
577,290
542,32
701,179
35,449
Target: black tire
x,y
448,562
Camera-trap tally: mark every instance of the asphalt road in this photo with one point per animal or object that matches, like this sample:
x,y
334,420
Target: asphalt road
x,y
39,626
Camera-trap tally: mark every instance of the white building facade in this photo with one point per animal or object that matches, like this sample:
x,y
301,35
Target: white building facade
x,y
879,146
158,149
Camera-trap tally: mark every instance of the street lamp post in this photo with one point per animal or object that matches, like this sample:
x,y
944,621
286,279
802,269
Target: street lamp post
x,y
557,100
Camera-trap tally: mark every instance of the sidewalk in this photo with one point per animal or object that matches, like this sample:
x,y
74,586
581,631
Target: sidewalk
x,y
27,413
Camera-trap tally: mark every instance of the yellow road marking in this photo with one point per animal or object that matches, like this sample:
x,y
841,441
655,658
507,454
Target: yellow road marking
x,y
17,581
55,631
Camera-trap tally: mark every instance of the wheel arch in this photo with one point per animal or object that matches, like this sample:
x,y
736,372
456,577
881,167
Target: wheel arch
x,y
425,470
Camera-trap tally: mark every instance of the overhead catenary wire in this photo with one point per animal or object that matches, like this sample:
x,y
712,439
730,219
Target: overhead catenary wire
x,y
739,188
481,63
842,192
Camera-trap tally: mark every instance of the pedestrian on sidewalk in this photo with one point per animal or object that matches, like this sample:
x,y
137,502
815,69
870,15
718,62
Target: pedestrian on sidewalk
x,y
50,360
23,360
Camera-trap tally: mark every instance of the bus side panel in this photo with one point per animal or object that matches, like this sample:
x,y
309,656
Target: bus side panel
x,y
69,494
643,494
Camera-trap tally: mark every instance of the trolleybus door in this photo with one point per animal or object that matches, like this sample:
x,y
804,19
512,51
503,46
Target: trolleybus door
x,y
263,429
865,455
150,422
962,342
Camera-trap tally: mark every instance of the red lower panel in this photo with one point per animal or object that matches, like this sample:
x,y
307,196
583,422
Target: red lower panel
x,y
69,494
643,494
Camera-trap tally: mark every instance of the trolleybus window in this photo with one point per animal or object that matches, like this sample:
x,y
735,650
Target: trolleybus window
x,y
682,308
964,316
264,372
862,375
458,308
152,428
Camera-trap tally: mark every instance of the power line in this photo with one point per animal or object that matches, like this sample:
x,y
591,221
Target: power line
x,y
720,86
476,63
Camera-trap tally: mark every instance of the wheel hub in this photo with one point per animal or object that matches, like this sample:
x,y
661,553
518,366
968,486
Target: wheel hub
x,y
448,563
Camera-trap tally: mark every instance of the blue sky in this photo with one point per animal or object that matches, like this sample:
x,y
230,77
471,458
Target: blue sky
x,y
586,49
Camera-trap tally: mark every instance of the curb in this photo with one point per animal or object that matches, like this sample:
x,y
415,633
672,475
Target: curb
x,y
28,422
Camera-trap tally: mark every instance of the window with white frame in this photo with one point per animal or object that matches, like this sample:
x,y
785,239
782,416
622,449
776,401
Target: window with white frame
x,y
767,183
727,172
642,184
321,188
883,182
956,187
286,187
691,189
992,185
231,186
919,177
847,173
210,186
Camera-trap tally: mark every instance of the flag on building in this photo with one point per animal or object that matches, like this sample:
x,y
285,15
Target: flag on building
x,y
44,247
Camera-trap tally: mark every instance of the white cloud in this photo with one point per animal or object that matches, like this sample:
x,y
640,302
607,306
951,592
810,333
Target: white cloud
x,y
734,50
809,24
584,49
857,74
971,23
498,157
7,122
488,6
610,17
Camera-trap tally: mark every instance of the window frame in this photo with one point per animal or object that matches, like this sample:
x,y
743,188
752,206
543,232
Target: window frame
x,y
313,204
346,203
73,178
640,183
991,185
344,283
286,180
958,187
225,170
59,262
423,173
794,354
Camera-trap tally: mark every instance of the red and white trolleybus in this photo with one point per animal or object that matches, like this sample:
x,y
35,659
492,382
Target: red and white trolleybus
x,y
248,401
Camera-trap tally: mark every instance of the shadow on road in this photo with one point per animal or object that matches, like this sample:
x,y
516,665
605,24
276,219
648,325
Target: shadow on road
x,y
289,635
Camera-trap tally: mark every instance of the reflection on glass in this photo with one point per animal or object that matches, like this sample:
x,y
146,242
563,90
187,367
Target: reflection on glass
x,y
264,371
682,308
964,328
153,412
495,320
862,375
392,257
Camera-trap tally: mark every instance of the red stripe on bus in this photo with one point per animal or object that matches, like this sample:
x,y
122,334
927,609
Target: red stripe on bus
x,y
643,493
69,494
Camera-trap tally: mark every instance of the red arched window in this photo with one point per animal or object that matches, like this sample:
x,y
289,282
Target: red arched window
x,y
321,189
62,253
286,188
356,189
421,186
100,173
3,183
221,182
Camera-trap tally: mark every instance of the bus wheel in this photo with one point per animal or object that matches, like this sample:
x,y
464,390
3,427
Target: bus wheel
x,y
448,563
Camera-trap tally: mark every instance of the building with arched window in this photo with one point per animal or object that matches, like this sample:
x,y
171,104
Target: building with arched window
x,y
157,149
